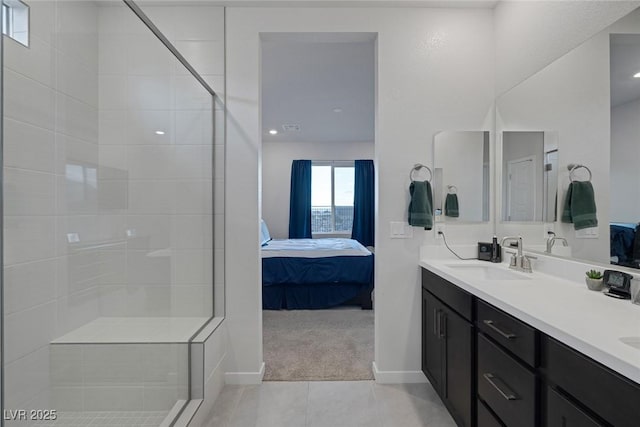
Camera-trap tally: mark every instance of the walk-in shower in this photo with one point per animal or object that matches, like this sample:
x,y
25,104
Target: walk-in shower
x,y
108,142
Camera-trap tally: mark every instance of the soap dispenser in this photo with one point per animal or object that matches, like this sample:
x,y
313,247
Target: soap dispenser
x,y
496,253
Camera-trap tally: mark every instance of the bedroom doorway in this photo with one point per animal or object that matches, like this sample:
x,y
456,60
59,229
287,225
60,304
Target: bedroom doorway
x,y
318,205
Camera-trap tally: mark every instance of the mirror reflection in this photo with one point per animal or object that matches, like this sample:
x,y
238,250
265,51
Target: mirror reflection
x,y
625,149
530,176
591,98
461,176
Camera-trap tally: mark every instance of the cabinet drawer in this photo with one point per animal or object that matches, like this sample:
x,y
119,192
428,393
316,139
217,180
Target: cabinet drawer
x,y
507,387
610,395
562,413
459,300
514,335
486,418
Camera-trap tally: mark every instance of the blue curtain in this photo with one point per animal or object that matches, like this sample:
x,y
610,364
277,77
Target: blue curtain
x,y
300,200
363,203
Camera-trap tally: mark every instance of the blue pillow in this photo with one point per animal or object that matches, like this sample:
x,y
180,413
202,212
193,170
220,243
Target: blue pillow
x,y
265,237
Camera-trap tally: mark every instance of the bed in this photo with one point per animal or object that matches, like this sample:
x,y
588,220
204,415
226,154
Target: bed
x,y
315,273
625,244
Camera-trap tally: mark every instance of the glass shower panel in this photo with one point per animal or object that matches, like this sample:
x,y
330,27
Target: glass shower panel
x,y
108,213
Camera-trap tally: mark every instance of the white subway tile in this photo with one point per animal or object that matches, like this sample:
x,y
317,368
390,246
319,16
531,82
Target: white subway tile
x,y
29,330
28,285
141,127
36,62
77,30
28,147
25,378
76,118
113,92
74,152
112,51
76,79
28,193
28,101
146,55
151,162
199,23
207,57
151,197
149,231
111,125
150,93
28,238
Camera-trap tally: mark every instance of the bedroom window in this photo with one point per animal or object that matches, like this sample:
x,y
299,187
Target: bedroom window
x,y
332,197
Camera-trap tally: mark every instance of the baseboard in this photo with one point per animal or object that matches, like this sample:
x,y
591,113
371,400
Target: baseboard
x,y
244,378
398,377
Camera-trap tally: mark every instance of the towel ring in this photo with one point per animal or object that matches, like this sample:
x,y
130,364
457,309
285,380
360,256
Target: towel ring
x,y
573,167
452,189
416,168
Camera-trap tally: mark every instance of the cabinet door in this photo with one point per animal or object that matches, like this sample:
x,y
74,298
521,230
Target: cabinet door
x,y
562,413
458,365
432,340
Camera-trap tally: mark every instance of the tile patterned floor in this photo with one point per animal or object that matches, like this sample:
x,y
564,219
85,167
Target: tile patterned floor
x,y
329,404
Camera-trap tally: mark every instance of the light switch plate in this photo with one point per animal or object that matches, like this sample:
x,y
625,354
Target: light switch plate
x,y
400,230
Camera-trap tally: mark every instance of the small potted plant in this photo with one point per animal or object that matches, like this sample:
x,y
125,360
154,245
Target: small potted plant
x,y
594,280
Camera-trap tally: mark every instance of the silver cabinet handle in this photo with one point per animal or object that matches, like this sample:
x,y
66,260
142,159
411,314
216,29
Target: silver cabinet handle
x,y
492,379
443,325
492,325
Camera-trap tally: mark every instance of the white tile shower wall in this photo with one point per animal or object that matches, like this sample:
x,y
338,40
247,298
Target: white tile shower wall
x,y
51,151
160,185
198,32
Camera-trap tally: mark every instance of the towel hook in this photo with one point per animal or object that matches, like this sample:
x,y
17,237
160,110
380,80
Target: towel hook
x,y
452,189
416,168
573,167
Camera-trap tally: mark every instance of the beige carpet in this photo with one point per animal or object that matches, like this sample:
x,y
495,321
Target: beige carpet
x,y
318,345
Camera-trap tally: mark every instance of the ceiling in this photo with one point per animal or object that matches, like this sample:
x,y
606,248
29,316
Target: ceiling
x,y
323,82
625,62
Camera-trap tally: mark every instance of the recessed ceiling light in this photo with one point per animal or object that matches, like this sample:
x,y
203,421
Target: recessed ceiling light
x,y
337,110
159,132
273,132
636,75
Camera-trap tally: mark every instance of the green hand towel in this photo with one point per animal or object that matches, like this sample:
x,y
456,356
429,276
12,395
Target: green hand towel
x,y
451,207
580,205
420,206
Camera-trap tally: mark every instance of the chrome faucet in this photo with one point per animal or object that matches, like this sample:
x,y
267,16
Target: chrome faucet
x,y
519,261
551,240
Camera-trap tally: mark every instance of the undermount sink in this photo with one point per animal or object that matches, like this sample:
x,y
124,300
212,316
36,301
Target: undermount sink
x,y
631,341
487,272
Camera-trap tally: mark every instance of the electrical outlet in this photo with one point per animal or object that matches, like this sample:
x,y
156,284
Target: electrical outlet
x,y
548,227
438,228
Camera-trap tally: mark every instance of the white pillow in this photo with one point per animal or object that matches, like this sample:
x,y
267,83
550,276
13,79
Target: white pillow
x,y
265,237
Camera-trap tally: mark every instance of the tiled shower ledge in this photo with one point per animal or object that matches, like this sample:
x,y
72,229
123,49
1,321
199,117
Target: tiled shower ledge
x,y
147,330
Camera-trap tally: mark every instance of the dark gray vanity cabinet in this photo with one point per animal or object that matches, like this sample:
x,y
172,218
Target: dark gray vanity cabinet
x,y
492,369
447,345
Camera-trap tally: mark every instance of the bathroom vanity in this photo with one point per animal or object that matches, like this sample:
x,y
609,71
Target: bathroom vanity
x,y
504,348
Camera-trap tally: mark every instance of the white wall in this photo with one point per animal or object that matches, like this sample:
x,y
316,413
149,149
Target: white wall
x,y
276,174
423,86
625,162
529,35
460,155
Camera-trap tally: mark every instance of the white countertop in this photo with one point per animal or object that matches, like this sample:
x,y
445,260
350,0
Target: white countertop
x,y
585,320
